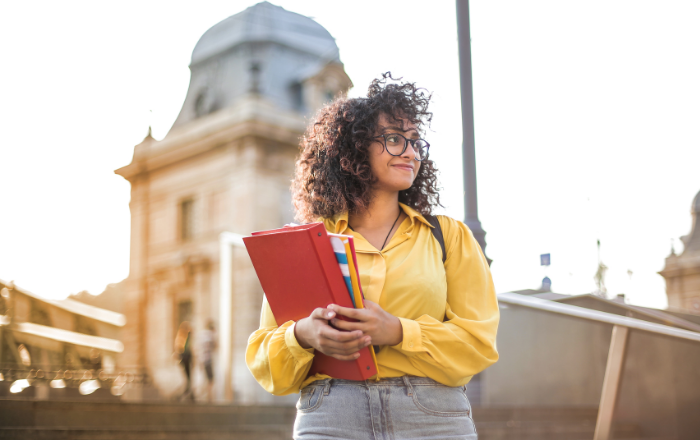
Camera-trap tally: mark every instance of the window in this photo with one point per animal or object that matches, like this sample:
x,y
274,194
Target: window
x,y
296,91
187,219
184,311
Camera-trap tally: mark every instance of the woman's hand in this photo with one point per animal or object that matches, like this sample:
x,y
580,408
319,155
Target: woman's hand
x,y
383,327
315,332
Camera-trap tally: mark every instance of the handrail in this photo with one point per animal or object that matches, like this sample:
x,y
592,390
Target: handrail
x,y
595,315
666,318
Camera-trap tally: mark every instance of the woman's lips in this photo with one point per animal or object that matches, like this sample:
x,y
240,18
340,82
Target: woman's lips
x,y
404,167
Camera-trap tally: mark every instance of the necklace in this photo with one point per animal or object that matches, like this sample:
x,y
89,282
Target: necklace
x,y
387,235
392,228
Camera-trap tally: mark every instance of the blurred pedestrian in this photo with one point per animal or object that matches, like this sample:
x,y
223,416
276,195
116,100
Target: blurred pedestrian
x,y
183,351
206,352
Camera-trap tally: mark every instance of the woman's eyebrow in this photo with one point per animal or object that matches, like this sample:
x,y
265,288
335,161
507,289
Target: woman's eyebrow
x,y
399,129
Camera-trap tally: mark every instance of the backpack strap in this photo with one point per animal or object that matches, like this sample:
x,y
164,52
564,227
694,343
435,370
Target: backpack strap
x,y
437,233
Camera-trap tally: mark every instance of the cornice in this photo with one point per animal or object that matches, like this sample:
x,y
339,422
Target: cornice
x,y
252,116
684,265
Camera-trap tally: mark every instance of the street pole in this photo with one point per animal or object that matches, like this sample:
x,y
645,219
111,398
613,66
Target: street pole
x,y
471,208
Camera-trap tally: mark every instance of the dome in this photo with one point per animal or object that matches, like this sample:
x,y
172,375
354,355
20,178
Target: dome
x,y
267,52
265,22
695,207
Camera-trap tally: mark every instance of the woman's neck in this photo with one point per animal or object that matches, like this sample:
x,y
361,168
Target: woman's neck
x,y
375,223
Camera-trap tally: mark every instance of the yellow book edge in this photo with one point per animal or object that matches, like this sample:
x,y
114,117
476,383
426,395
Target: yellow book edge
x,y
357,295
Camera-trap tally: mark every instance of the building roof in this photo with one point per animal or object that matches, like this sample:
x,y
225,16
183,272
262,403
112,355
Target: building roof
x,y
266,22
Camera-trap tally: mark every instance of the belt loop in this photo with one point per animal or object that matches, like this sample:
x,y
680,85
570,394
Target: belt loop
x,y
409,387
327,388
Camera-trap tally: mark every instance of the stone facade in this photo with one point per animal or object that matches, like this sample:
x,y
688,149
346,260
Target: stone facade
x,y
682,272
225,169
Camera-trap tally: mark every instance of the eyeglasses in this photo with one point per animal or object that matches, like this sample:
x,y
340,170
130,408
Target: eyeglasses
x,y
396,145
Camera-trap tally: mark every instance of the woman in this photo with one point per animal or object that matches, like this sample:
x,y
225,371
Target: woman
x,y
183,353
364,171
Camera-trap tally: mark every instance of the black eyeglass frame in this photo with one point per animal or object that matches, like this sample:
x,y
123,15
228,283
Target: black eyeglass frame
x,y
405,145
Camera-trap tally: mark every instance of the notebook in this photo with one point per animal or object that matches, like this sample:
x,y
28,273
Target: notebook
x,y
298,271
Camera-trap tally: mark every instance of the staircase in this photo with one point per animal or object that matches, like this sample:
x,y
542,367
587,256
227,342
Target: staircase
x,y
35,420
538,423
81,420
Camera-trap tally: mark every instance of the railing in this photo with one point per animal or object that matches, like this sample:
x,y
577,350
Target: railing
x,y
616,354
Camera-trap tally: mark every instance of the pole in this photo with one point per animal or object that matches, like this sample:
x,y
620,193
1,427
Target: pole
x,y
611,382
471,209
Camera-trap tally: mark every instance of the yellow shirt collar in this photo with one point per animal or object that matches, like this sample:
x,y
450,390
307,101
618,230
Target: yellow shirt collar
x,y
338,224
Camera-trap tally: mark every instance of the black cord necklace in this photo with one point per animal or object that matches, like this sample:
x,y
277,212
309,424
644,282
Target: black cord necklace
x,y
392,228
387,235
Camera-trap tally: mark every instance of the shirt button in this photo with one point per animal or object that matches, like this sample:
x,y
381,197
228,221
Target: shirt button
x,y
410,345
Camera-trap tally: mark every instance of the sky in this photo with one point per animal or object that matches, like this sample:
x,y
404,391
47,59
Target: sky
x,y
586,116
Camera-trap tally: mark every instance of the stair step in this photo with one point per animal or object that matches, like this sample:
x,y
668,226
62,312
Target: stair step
x,y
270,432
538,430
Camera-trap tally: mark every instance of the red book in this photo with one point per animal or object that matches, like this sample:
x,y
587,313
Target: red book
x,y
299,272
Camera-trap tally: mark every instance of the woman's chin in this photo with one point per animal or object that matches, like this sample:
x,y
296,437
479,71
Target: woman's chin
x,y
400,186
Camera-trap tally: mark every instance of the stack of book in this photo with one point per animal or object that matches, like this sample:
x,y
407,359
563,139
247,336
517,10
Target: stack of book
x,y
302,268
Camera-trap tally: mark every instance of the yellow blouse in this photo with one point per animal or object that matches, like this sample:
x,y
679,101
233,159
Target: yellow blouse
x,y
449,312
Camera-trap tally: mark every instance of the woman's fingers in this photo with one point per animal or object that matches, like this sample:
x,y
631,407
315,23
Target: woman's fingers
x,y
358,314
321,313
331,347
332,334
341,357
347,325
343,344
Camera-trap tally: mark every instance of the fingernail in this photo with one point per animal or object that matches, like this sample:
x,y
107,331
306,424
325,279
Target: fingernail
x,y
330,314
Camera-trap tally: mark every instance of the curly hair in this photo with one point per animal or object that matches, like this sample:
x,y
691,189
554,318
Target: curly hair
x,y
333,173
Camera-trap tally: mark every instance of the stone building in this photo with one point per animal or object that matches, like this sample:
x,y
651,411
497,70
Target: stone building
x,y
225,165
682,272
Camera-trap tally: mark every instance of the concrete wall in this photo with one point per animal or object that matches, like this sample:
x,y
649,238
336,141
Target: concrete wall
x,y
551,360
546,360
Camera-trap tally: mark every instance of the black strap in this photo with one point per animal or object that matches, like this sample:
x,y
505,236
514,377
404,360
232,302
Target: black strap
x,y
437,233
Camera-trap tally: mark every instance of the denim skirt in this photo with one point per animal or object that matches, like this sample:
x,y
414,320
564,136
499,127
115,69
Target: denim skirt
x,y
390,409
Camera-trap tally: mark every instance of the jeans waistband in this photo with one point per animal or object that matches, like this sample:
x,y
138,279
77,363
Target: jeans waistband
x,y
402,381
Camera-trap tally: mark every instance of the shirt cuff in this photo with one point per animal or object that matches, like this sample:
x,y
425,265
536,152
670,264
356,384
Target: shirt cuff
x,y
300,353
412,341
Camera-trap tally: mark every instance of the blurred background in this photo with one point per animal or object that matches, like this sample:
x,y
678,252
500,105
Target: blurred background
x,y
587,152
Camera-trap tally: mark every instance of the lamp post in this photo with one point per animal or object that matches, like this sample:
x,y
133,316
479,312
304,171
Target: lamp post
x,y
471,208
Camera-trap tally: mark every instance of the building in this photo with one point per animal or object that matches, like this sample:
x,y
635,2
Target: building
x,y
225,166
682,272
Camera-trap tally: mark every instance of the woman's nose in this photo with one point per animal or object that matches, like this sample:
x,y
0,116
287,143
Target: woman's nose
x,y
409,152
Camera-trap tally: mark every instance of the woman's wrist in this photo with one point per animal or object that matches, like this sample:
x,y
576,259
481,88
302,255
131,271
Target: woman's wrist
x,y
299,328
399,331
395,331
